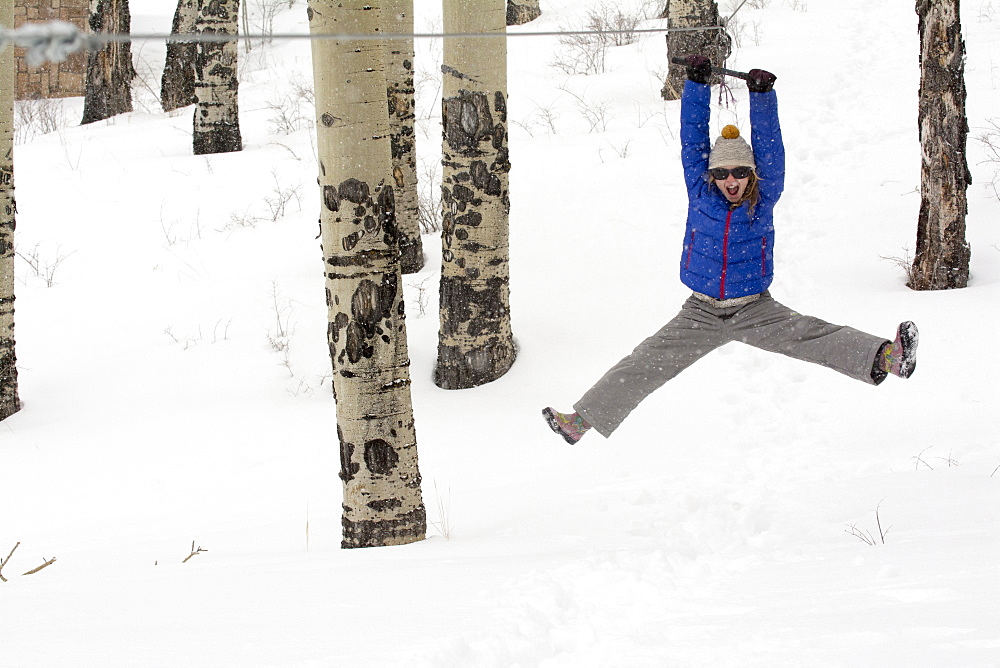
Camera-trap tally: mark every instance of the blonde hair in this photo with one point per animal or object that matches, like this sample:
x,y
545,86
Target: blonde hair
x,y
751,194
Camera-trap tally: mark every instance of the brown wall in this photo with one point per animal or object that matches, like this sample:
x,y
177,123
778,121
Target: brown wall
x,y
63,79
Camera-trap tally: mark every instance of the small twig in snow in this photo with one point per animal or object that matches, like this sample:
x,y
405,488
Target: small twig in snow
x,y
866,536
4,562
878,523
919,459
194,552
47,563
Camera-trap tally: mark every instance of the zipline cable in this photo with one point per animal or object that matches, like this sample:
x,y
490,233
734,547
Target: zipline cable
x,y
726,22
54,41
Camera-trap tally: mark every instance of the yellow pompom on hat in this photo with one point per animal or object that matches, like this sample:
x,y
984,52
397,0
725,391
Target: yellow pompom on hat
x,y
731,150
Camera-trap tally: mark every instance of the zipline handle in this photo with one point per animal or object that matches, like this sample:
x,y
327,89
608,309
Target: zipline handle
x,y
718,70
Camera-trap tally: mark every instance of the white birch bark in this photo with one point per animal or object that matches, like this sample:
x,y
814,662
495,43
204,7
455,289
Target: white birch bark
x,y
367,330
402,112
216,114
713,43
9,401
942,257
475,342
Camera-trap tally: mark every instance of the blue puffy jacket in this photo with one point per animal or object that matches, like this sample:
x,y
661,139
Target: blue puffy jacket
x,y
729,252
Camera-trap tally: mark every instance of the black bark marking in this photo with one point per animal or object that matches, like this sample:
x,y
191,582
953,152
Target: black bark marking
x,y
482,306
370,305
366,307
375,533
472,219
445,69
348,468
340,321
354,191
500,104
380,457
330,199
384,505
460,370
483,179
467,120
462,193
387,214
351,240
356,346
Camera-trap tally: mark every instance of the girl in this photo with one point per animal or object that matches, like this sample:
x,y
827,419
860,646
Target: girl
x,y
727,260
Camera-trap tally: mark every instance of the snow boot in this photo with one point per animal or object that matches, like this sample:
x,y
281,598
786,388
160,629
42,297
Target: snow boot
x,y
900,357
570,426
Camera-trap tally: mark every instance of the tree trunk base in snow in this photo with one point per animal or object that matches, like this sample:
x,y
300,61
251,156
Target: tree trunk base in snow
x,y
10,403
458,370
225,139
216,87
109,69
942,255
408,528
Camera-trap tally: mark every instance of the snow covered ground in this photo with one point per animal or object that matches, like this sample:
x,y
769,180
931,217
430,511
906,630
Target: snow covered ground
x,y
175,382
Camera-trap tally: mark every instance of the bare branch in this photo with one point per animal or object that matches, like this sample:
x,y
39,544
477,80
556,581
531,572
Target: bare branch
x,y
878,522
194,552
919,459
4,562
865,536
47,563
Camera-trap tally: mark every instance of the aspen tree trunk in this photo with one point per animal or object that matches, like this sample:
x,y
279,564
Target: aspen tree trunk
x,y
109,70
942,255
522,11
475,343
177,83
217,114
9,401
399,73
713,44
367,328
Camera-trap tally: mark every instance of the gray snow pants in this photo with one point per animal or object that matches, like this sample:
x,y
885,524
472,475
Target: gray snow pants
x,y
700,328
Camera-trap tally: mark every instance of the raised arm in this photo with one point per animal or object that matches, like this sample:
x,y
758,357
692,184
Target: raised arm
x,y
768,148
695,141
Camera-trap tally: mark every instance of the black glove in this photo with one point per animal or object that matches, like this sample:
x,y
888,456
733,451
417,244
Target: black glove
x,y
699,69
760,81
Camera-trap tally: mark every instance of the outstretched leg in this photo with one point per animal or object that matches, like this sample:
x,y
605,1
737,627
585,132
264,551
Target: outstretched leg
x,y
771,326
692,334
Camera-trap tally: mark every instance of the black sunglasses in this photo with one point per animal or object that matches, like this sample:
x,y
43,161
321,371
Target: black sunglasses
x,y
721,173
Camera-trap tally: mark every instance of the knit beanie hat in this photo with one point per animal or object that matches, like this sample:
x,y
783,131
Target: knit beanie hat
x,y
731,150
